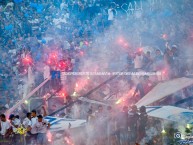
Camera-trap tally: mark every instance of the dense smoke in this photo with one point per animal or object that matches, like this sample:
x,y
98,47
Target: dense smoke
x,y
104,37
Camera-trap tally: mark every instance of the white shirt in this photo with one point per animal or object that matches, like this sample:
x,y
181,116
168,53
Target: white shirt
x,y
110,14
26,122
46,72
33,122
16,122
41,126
4,127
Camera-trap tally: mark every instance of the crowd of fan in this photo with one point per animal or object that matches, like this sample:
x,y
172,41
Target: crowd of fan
x,y
119,126
33,129
104,127
32,35
114,127
39,36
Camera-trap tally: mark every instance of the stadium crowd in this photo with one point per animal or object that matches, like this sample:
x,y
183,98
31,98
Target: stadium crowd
x,y
35,41
39,37
104,126
34,125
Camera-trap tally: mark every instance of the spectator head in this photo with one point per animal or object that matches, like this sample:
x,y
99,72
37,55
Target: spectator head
x,y
3,117
174,48
142,109
33,113
134,108
17,116
28,115
40,118
11,117
148,53
158,52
